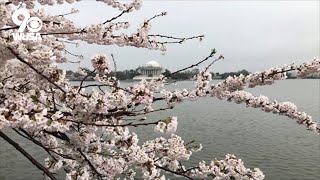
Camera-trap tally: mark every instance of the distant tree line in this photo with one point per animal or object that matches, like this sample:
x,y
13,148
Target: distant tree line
x,y
129,74
227,74
126,74
185,75
191,73
188,74
121,75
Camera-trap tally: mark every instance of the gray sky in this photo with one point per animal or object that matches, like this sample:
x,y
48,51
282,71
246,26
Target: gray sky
x,y
252,35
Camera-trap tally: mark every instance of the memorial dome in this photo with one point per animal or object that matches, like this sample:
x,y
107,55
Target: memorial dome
x,y
152,64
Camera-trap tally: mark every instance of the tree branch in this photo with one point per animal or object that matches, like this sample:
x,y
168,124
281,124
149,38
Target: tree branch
x,y
213,52
123,12
27,155
173,172
90,164
33,68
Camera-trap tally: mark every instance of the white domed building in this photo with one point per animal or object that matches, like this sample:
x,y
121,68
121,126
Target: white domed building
x,y
151,70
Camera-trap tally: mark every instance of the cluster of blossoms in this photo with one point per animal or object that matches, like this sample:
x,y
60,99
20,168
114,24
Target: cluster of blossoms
x,y
232,90
85,129
117,4
283,108
104,33
101,63
168,125
141,94
229,168
4,14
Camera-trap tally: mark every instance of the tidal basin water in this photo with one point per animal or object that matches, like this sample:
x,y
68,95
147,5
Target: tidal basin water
x,y
277,145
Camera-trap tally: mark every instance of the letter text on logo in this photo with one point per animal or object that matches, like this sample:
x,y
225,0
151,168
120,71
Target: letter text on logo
x,y
33,24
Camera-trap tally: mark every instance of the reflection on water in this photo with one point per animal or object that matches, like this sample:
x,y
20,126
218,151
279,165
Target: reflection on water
x,y
276,144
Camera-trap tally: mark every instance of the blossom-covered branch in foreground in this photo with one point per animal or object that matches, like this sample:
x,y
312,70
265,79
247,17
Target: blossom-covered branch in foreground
x,y
84,129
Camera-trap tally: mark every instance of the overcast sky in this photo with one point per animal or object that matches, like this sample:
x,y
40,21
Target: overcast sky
x,y
252,35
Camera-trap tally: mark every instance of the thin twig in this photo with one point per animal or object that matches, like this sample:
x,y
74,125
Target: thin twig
x,y
217,59
9,28
63,33
112,125
116,17
91,73
75,55
114,64
177,38
213,52
105,85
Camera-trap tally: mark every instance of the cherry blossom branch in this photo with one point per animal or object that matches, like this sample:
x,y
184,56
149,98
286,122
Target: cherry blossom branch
x,y
91,73
155,16
116,17
69,42
6,78
212,53
17,27
63,33
32,139
9,28
176,38
105,85
173,172
113,125
73,11
267,77
27,155
34,69
219,58
90,164
281,108
181,40
72,122
75,55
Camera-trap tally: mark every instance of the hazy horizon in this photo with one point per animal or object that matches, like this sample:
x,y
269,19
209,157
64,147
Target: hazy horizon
x,y
252,35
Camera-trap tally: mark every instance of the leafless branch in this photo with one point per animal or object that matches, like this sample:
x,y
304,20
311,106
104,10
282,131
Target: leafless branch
x,y
114,63
113,125
176,38
75,55
89,74
116,17
212,53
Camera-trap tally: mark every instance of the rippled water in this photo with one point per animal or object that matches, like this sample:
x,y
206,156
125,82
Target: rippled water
x,y
275,144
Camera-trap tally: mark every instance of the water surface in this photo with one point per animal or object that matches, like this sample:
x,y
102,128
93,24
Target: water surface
x,y
275,144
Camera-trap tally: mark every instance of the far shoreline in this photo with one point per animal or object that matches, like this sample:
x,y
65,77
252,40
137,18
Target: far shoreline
x,y
181,80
